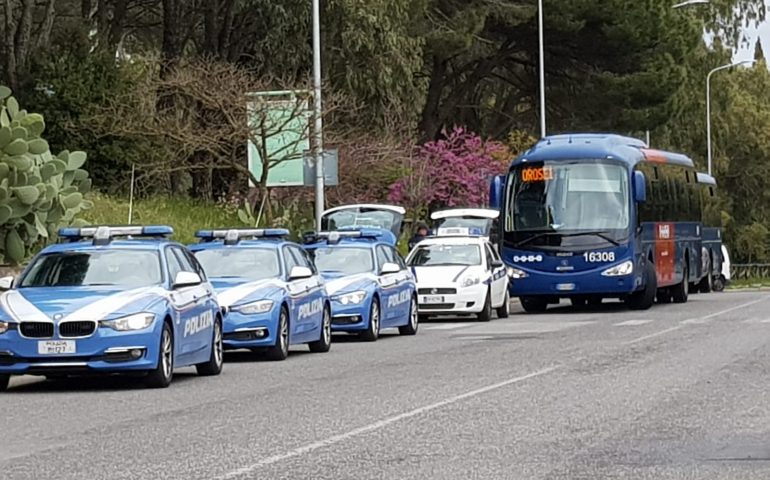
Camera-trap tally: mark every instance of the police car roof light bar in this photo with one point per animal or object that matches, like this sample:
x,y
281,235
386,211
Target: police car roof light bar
x,y
232,236
335,236
103,234
458,232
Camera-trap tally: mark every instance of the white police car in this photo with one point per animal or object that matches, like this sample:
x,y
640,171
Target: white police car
x,y
110,300
269,288
459,274
369,284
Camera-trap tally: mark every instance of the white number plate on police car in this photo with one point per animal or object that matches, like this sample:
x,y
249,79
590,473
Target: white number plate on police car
x,y
433,299
56,347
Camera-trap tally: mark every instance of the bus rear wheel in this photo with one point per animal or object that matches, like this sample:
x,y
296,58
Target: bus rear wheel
x,y
643,299
706,284
681,291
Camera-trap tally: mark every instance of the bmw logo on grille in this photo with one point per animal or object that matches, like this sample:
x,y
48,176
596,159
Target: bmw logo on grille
x,y
58,316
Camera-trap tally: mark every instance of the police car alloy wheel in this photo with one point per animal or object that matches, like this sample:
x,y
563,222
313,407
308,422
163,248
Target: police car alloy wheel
x,y
373,331
214,365
161,376
324,343
4,380
280,350
414,323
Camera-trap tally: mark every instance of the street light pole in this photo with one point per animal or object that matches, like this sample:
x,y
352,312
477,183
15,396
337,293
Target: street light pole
x,y
318,121
542,67
708,105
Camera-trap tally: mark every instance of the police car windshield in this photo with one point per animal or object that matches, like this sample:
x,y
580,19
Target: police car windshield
x,y
248,263
345,260
83,268
443,255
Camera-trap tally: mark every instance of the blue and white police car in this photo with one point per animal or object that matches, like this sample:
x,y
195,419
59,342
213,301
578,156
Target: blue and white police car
x,y
269,288
110,300
367,280
458,272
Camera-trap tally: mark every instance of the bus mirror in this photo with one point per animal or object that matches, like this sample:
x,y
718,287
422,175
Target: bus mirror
x,y
496,192
640,189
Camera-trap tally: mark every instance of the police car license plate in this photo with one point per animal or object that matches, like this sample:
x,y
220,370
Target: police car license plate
x,y
56,347
433,299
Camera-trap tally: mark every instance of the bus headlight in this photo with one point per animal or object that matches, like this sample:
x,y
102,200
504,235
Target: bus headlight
x,y
516,273
625,268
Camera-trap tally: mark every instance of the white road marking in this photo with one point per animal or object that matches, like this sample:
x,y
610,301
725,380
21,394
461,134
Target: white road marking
x,y
449,326
652,335
700,320
632,323
695,321
767,320
310,447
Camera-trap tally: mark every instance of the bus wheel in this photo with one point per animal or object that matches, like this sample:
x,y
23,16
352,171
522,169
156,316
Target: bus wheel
x,y
663,295
706,285
533,304
643,299
681,291
719,284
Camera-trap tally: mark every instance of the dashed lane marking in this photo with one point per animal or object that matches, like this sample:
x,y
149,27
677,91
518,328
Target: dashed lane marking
x,y
335,439
632,323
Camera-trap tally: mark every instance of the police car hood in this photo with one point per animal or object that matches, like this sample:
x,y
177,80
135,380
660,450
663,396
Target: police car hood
x,y
77,303
444,274
235,291
336,283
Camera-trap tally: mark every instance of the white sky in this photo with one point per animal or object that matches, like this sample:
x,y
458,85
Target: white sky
x,y
746,52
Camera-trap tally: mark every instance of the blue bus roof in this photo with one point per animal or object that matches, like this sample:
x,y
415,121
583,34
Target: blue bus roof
x,y
599,146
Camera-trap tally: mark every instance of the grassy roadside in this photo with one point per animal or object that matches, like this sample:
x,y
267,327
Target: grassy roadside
x,y
749,283
185,215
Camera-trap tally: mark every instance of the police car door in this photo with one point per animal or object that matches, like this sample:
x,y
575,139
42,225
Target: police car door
x,y
405,285
303,316
316,293
194,318
389,286
497,275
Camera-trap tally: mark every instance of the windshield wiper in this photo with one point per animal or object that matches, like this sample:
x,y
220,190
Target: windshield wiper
x,y
601,235
533,238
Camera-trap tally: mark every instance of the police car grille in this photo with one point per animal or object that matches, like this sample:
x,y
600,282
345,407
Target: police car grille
x,y
77,329
436,291
437,306
36,329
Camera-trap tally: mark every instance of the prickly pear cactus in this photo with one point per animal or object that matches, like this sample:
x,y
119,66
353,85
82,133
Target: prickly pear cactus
x,y
39,192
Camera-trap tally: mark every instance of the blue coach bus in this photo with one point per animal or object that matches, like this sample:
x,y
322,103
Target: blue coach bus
x,y
593,216
711,234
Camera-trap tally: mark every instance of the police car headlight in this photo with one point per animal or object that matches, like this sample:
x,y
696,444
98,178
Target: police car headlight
x,y
137,321
625,268
261,306
516,273
352,298
470,281
4,326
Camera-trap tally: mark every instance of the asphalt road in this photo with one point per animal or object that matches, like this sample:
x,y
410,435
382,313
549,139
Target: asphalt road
x,y
679,391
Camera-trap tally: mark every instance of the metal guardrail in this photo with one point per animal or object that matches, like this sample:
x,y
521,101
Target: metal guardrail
x,y
749,271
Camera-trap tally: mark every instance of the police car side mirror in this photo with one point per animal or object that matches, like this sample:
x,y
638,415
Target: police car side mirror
x,y
390,268
187,279
299,273
6,283
497,263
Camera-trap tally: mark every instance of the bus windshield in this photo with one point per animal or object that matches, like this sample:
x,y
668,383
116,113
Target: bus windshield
x,y
567,203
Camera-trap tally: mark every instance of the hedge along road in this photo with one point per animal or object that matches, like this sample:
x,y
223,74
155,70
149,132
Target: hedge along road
x,y
674,392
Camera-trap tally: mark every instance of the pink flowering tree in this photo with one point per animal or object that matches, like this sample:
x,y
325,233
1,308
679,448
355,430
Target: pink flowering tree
x,y
451,172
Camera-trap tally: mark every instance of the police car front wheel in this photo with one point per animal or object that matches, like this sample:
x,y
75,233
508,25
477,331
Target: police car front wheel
x,y
161,375
214,365
4,380
324,343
